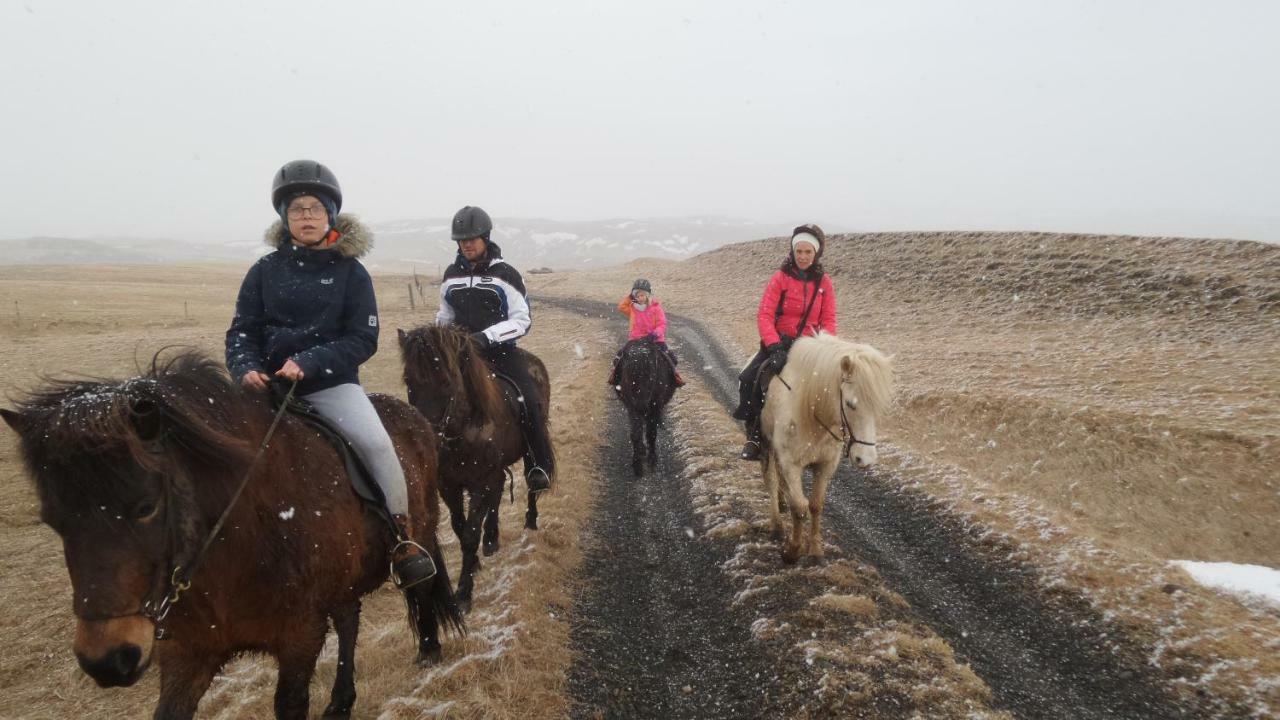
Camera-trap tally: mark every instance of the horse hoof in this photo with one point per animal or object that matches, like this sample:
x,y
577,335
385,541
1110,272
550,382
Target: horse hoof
x,y
811,560
490,548
790,555
530,523
464,605
337,712
777,535
427,658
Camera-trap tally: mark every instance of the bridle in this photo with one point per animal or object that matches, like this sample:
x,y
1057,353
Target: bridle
x,y
846,435
169,588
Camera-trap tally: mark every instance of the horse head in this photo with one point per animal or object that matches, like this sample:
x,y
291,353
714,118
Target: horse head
x,y
108,460
447,379
865,392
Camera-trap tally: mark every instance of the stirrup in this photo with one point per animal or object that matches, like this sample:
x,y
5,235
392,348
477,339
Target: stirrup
x,y
537,480
412,569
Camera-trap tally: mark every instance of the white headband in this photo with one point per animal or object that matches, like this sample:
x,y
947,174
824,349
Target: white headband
x,y
805,237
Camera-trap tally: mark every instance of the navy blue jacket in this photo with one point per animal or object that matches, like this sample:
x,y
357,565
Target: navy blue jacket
x,y
315,306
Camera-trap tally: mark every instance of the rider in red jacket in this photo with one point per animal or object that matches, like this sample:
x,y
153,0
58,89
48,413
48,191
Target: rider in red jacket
x,y
799,300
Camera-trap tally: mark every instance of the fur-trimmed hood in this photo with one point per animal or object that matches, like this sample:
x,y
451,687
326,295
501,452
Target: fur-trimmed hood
x,y
356,238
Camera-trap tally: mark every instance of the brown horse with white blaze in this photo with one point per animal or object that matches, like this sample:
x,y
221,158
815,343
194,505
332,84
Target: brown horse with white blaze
x,y
134,475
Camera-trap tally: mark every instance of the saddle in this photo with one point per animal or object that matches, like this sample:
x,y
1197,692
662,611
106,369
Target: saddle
x,y
361,479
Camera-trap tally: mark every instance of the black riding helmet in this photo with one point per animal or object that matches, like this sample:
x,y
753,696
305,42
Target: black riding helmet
x,y
642,284
471,222
305,177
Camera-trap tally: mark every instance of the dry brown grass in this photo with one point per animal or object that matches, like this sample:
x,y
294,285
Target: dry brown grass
x,y
849,645
1103,404
514,661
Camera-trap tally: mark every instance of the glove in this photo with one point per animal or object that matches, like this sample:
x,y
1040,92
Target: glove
x,y
777,357
481,340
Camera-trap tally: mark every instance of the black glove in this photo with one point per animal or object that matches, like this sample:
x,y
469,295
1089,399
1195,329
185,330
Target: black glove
x,y
481,340
777,356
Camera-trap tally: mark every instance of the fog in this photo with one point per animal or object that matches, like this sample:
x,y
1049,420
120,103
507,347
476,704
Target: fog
x,y
164,119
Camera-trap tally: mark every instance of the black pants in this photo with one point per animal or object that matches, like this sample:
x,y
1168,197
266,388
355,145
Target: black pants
x,y
751,390
511,363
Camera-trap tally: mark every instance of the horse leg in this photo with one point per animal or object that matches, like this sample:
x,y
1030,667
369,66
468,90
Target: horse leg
x,y
491,540
435,605
799,505
531,513
651,430
297,658
470,541
346,622
184,678
773,495
637,443
817,500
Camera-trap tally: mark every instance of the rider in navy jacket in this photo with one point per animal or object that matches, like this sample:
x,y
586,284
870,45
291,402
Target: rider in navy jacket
x,y
315,306
306,313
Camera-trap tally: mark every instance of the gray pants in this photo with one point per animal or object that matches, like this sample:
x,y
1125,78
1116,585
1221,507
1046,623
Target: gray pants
x,y
349,408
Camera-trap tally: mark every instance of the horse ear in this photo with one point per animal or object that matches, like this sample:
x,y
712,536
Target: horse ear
x,y
403,336
147,420
846,365
13,419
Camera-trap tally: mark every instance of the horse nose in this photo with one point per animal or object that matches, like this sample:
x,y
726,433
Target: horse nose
x,y
119,667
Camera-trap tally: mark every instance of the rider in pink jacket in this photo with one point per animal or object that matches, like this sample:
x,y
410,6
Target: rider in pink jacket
x,y
799,300
648,320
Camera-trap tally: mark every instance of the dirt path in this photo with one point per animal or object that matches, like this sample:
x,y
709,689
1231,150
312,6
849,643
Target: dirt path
x,y
655,631
1040,659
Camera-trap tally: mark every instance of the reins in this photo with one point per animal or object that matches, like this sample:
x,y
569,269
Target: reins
x,y
846,430
179,579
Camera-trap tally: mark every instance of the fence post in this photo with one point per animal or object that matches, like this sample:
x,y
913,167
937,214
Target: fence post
x,y
411,305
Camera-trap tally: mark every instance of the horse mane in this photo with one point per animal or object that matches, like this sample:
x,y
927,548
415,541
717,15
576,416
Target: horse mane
x,y
814,370
453,351
185,401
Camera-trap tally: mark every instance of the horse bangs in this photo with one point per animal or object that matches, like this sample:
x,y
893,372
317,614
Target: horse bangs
x,y
457,357
816,364
193,403
424,347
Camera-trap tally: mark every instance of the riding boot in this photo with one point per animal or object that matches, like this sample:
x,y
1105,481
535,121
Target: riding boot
x,y
752,449
410,563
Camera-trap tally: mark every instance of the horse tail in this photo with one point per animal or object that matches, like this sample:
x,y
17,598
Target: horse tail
x,y
443,604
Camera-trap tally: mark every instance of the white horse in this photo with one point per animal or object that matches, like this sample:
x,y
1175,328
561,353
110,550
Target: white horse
x,y
822,405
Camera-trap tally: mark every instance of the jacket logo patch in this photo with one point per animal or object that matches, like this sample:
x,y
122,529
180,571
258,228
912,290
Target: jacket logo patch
x,y
326,281
373,321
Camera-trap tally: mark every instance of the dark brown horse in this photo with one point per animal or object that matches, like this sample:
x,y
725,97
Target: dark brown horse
x,y
477,417
646,382
133,476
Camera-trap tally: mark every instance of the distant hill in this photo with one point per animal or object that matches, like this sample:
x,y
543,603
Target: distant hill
x,y
401,244
116,251
536,242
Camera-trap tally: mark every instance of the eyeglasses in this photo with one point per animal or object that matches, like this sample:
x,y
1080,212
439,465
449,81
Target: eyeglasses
x,y
298,212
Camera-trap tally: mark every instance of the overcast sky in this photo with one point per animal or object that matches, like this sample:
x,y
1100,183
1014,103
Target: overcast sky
x,y
169,118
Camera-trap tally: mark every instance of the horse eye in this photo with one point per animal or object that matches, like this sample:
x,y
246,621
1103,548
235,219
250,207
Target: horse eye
x,y
145,510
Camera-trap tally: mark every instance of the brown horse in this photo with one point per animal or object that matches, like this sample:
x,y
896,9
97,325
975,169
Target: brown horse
x,y
133,476
477,417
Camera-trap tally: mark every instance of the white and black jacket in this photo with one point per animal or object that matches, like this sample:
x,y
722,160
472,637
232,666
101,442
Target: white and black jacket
x,y
486,296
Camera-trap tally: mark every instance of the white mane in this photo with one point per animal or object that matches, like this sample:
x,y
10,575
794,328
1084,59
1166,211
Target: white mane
x,y
814,369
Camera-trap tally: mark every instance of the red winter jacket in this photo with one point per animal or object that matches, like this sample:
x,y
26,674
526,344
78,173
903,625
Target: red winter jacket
x,y
785,298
